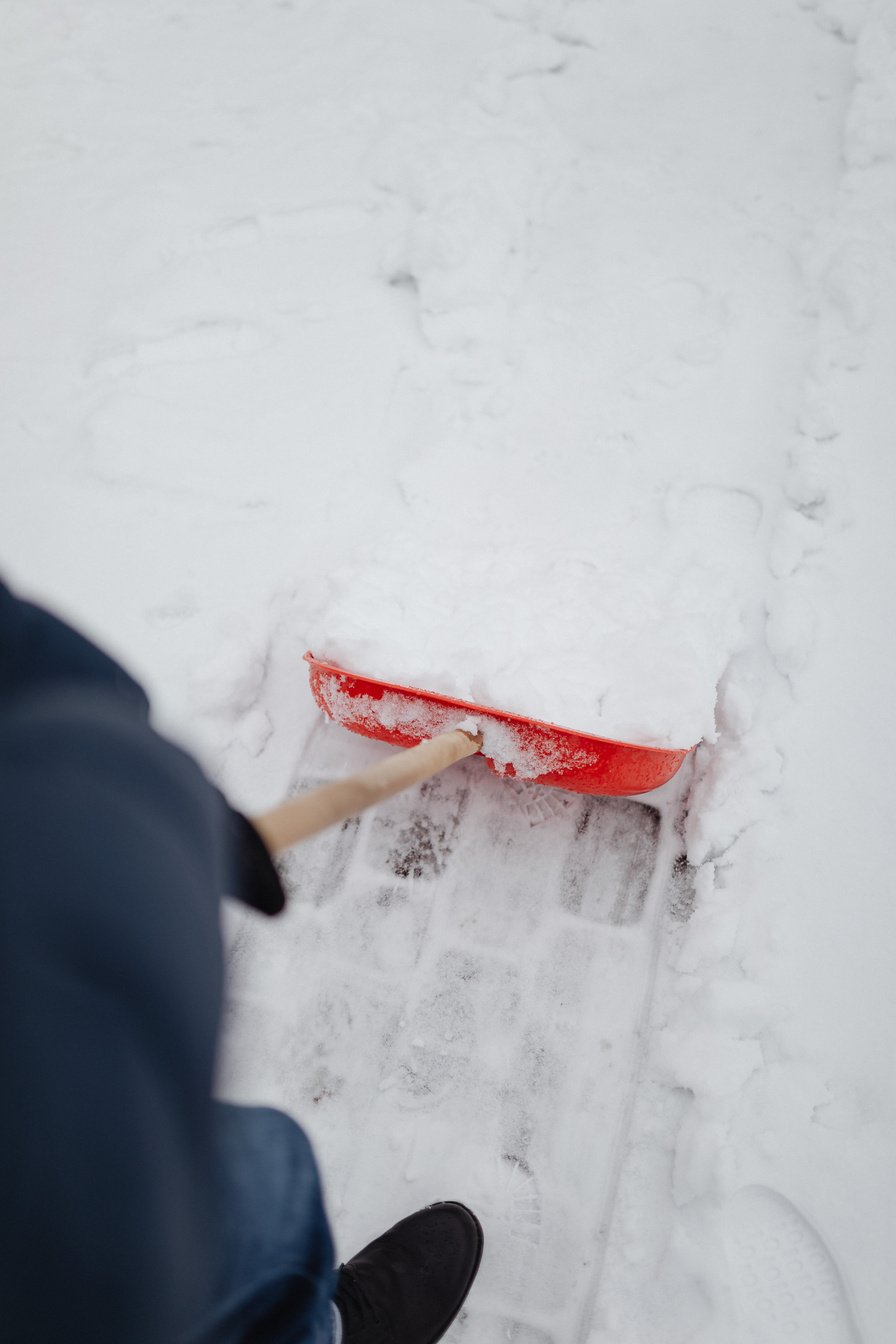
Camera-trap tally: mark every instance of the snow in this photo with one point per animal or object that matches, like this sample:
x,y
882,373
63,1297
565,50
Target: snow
x,y
538,352
619,648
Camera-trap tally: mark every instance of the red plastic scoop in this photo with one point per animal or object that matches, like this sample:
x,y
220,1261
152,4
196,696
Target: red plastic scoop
x,y
526,748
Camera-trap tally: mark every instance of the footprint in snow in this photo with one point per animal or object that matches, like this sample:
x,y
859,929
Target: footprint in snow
x,y
207,339
507,1197
786,1282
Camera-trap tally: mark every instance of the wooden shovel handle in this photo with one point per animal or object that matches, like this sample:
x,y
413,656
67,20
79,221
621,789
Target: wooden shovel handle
x,y
303,817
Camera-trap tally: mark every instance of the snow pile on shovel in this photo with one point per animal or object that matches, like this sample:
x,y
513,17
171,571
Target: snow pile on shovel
x,y
587,640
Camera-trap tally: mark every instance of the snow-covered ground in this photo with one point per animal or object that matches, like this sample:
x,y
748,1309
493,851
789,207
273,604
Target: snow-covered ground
x,y
542,351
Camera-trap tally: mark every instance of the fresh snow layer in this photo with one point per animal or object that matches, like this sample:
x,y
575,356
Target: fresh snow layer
x,y
613,354
538,351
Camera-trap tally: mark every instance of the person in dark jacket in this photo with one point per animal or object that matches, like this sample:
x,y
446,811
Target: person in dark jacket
x,y
137,1210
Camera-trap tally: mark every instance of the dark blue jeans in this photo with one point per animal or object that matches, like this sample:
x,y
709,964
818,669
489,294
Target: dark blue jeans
x,y
274,1276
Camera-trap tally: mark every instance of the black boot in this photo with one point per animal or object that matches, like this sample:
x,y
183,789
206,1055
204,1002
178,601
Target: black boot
x,y
408,1285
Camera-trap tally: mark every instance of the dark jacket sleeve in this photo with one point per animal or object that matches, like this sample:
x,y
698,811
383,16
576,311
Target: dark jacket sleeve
x,y
39,653
110,999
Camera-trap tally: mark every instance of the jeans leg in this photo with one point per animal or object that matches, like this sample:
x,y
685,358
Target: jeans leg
x,y
275,1274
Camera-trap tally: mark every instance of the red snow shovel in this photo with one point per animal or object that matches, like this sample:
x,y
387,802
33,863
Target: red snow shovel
x,y
439,730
